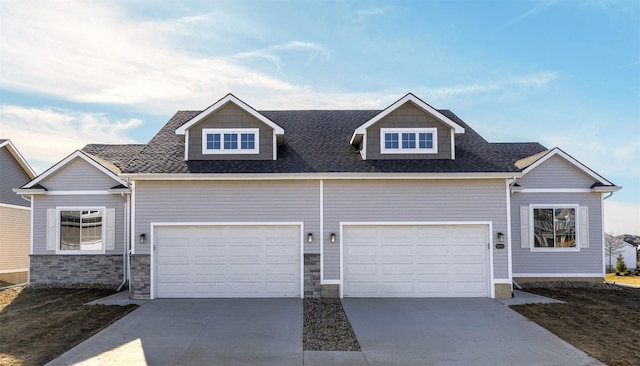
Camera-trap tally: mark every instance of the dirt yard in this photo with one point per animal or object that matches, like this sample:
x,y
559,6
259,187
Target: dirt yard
x,y
36,326
601,320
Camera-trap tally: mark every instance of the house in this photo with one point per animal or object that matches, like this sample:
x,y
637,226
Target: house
x,y
15,215
629,255
229,201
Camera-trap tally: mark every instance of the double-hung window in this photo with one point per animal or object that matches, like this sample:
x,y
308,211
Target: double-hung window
x,y
230,141
408,141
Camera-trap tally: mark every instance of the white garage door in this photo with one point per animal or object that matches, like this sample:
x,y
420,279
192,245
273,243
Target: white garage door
x,y
415,261
227,261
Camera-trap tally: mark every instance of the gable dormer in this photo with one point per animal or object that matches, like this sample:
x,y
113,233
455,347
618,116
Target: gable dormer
x,y
408,129
230,130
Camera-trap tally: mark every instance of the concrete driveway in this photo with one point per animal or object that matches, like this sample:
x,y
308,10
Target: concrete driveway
x,y
468,331
198,332
269,332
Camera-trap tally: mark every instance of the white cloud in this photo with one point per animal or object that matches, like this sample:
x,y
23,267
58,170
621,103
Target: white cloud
x,y
271,53
375,11
537,80
45,136
621,218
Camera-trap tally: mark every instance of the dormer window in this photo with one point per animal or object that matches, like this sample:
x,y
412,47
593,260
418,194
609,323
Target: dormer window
x,y
408,141
230,141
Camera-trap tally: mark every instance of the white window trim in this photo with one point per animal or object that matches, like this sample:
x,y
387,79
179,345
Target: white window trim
x,y
532,228
238,132
417,149
102,209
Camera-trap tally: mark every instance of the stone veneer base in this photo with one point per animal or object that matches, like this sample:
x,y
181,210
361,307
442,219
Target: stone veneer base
x,y
73,270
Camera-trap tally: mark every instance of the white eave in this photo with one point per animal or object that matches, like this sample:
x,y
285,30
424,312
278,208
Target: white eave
x,y
29,191
219,104
457,129
314,176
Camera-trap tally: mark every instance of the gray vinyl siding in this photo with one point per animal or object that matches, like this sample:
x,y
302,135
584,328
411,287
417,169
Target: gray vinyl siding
x,y
413,200
14,238
44,202
556,172
78,175
11,176
227,201
408,116
231,116
587,260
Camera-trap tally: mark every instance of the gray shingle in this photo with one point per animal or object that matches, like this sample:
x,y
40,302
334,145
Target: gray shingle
x,y
317,141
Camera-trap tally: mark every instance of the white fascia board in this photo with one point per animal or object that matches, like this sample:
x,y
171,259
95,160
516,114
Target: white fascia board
x,y
28,192
217,105
313,176
606,189
418,102
19,158
67,160
570,159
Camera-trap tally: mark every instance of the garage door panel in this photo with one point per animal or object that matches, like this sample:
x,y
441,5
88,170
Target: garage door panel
x,y
415,260
228,261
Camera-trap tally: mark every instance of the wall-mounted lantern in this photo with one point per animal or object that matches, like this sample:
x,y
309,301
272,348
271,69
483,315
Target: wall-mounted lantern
x,y
333,237
143,238
310,237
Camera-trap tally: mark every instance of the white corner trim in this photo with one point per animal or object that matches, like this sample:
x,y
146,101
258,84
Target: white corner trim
x,y
453,148
77,154
275,145
322,281
220,103
186,145
509,252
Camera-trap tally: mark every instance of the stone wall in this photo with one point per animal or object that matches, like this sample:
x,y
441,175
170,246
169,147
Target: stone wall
x,y
140,282
73,270
312,275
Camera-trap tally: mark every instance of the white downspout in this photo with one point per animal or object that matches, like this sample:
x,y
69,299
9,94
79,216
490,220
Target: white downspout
x,y
125,267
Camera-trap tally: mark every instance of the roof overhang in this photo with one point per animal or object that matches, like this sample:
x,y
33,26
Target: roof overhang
x,y
229,98
315,176
29,191
19,158
457,129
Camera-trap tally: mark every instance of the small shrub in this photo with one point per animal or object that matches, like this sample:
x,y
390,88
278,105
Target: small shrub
x,y
617,273
620,266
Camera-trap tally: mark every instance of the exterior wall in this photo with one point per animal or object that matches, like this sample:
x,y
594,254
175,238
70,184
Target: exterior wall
x,y
76,270
12,177
408,116
15,239
227,201
312,275
413,200
78,175
557,173
231,116
140,281
43,202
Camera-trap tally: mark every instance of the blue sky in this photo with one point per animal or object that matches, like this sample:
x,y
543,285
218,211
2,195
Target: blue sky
x,y
563,73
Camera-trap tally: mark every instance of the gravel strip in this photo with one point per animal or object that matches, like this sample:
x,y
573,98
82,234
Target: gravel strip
x,y
570,284
326,326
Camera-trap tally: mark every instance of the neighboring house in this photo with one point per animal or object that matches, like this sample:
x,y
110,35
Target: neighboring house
x,y
15,215
629,255
408,201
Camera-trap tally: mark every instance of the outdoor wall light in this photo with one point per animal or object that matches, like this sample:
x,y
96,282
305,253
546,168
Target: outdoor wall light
x,y
310,237
500,238
143,238
333,237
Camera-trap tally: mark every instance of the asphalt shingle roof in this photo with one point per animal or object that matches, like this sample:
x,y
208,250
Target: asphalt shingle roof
x,y
316,141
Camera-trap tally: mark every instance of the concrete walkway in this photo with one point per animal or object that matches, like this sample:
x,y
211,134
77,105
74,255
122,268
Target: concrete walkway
x,y
269,332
